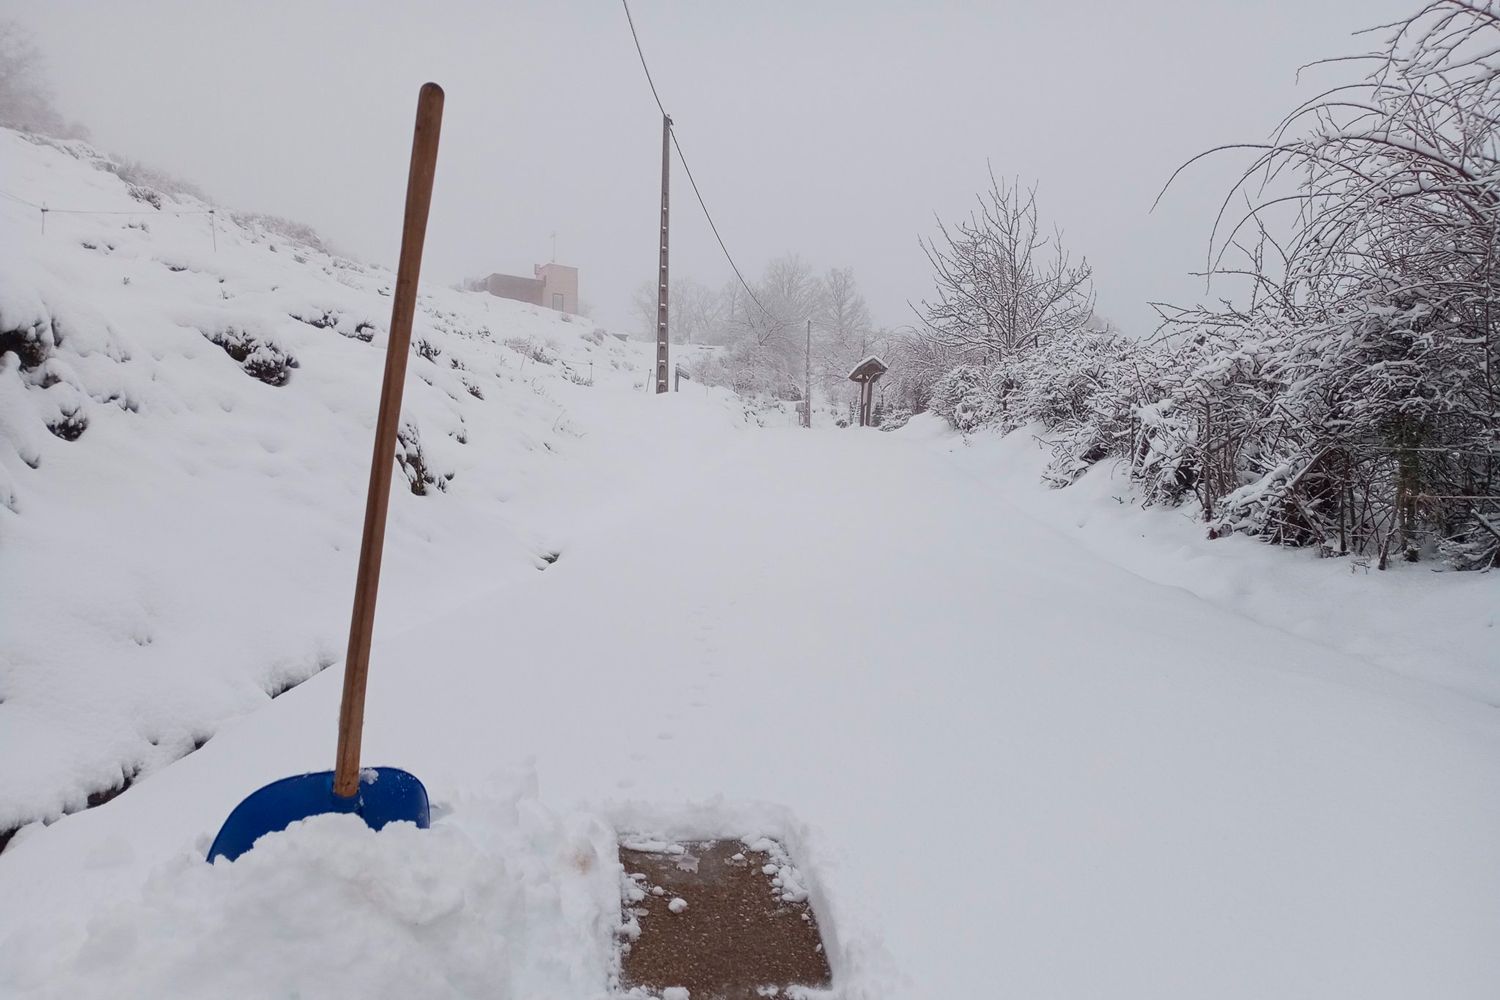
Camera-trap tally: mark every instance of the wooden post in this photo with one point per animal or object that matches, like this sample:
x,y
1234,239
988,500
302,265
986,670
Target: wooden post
x,y
661,277
807,390
424,149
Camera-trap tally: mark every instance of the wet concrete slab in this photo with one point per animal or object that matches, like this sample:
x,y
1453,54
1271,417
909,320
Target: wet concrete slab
x,y
723,919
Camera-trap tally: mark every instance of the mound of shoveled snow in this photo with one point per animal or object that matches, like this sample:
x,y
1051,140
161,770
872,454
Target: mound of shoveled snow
x,y
486,903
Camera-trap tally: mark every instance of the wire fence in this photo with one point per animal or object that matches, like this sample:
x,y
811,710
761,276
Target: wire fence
x,y
45,210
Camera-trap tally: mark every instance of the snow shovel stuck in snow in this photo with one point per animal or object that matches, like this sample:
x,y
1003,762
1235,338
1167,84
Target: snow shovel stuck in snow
x,y
379,795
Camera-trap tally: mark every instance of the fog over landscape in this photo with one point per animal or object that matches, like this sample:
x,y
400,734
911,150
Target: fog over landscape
x,y
911,583
858,122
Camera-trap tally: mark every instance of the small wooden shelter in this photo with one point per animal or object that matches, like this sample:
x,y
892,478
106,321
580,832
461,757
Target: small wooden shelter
x,y
865,375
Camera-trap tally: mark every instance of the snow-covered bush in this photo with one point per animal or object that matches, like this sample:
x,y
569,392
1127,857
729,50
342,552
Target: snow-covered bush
x,y
1351,405
260,358
967,397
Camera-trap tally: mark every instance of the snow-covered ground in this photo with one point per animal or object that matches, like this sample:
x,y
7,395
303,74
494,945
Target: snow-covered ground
x,y
1420,620
182,547
1017,742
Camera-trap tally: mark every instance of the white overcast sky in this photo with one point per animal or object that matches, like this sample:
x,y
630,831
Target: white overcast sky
x,y
832,129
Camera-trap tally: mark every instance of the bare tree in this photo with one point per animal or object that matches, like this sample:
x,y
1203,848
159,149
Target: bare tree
x,y
643,305
843,332
26,101
785,298
695,312
1003,285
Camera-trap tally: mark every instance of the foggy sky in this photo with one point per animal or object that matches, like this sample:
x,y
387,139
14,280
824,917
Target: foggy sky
x,y
835,130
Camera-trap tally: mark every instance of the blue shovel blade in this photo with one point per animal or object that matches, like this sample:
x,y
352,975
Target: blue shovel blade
x,y
386,795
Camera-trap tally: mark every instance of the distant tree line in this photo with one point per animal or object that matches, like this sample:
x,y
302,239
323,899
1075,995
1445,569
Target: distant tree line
x,y
1348,400
26,100
761,334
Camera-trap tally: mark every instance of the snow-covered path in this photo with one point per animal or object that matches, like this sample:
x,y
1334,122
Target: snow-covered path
x,y
1007,766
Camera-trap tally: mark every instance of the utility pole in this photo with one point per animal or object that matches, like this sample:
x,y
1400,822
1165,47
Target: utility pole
x,y
661,278
807,392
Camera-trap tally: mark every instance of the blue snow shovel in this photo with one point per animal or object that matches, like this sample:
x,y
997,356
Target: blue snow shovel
x,y
379,795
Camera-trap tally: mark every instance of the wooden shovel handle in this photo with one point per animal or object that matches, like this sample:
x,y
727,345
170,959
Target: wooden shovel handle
x,y
424,147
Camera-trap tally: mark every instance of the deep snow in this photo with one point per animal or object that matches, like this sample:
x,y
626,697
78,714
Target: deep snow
x,y
1013,747
1002,763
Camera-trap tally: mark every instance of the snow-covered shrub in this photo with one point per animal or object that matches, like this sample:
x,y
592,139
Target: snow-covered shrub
x,y
32,342
259,358
413,462
753,370
149,183
146,195
531,349
967,397
332,319
1353,404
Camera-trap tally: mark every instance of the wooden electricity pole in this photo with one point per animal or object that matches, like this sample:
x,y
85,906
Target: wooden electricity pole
x,y
661,278
807,373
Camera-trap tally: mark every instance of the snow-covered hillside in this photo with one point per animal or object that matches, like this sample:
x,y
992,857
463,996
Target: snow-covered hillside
x,y
185,424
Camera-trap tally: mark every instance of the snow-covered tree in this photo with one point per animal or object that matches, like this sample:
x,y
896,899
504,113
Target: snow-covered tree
x,y
1348,400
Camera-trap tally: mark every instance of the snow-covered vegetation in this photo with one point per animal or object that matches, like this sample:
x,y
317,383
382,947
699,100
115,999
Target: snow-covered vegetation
x,y
26,100
1350,400
767,338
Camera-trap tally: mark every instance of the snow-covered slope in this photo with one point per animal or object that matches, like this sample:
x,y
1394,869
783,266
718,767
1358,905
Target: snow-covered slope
x,y
185,425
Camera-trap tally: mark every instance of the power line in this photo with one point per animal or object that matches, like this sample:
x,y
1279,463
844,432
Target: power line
x,y
23,201
682,158
642,54
689,171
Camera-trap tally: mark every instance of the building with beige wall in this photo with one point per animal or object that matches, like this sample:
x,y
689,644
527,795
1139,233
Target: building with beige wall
x,y
559,287
553,285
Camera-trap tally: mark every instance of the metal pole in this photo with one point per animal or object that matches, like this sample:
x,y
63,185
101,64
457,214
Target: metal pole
x,y
661,278
807,392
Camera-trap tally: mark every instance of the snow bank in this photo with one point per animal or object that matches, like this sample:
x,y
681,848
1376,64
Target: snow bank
x,y
500,899
1418,620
